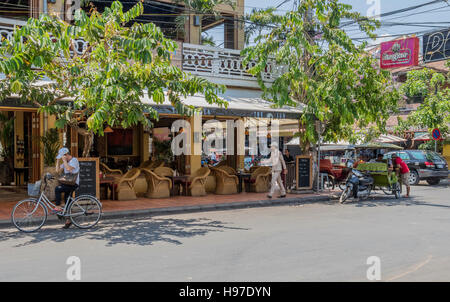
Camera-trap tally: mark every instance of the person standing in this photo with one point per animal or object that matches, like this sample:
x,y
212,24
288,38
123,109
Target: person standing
x,y
70,165
404,172
276,160
287,156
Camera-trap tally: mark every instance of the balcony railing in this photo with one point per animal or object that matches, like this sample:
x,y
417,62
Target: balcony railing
x,y
79,44
222,63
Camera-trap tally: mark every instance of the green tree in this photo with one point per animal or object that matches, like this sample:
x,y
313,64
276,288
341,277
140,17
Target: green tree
x,y
334,80
104,84
434,112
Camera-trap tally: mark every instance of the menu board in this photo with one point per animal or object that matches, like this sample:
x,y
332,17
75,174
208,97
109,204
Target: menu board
x,y
304,172
89,177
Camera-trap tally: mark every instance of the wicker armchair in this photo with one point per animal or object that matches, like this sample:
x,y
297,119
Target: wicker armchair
x,y
110,172
227,169
227,183
259,181
51,183
125,186
163,171
211,182
158,186
152,164
197,182
141,185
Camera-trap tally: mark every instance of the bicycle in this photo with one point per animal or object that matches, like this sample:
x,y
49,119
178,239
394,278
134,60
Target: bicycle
x,y
30,214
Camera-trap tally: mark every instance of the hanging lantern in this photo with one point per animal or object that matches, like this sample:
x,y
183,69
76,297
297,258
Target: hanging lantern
x,y
108,130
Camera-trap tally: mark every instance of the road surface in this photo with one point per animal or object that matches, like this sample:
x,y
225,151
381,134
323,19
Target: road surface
x,y
311,242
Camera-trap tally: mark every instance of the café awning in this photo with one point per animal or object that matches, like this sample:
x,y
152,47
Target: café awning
x,y
241,103
339,146
374,145
386,138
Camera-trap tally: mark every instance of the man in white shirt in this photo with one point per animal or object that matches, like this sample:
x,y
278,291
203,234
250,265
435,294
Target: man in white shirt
x,y
70,165
276,160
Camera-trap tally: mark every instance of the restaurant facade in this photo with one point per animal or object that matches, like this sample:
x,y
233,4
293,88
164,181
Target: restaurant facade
x,y
124,149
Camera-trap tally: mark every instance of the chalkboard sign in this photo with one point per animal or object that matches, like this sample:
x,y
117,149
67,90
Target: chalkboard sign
x,y
304,172
89,177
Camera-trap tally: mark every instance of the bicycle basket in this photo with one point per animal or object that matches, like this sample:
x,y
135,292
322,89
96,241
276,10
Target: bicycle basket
x,y
34,189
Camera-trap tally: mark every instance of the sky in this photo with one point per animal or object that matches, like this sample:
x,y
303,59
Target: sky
x,y
437,16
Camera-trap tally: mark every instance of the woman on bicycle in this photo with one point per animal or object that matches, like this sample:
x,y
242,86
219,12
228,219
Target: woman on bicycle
x,y
70,165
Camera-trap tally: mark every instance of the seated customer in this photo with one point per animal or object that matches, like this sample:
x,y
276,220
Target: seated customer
x,y
70,165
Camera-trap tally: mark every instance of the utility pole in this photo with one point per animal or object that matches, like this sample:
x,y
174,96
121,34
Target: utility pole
x,y
309,16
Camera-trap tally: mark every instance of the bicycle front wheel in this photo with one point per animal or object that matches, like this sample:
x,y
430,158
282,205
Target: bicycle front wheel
x,y
29,215
85,211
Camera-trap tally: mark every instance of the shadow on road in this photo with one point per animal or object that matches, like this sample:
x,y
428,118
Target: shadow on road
x,y
137,232
380,200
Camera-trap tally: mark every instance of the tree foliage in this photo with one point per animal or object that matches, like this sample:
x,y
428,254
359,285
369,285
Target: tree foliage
x,y
103,85
324,72
434,89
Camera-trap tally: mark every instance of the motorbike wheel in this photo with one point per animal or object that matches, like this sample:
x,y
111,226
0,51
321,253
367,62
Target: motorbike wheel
x,y
369,190
329,185
397,190
386,190
342,186
345,195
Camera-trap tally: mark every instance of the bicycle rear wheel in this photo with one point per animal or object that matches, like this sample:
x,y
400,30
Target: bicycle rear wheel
x,y
29,215
85,211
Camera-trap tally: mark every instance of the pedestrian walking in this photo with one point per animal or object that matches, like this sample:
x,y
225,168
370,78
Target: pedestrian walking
x,y
276,160
404,172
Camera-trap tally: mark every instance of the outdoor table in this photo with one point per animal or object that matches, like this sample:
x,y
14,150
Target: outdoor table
x,y
108,182
182,180
241,177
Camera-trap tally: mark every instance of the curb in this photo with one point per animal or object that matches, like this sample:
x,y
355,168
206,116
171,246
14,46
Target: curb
x,y
52,219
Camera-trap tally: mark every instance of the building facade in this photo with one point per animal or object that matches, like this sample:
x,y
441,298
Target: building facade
x,y
221,64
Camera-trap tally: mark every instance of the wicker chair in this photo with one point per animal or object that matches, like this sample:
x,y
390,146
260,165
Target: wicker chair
x,y
158,186
125,186
110,172
197,182
228,169
163,171
211,182
259,181
152,164
51,183
141,185
227,183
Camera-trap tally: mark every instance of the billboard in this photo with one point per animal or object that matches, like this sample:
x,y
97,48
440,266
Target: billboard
x,y
400,53
436,46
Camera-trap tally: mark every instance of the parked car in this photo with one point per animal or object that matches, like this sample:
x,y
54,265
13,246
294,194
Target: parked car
x,y
423,165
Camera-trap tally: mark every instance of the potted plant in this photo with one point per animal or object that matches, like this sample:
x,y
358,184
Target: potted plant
x,y
50,147
7,148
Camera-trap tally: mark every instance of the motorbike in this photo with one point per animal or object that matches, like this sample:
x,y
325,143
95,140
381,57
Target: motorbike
x,y
358,184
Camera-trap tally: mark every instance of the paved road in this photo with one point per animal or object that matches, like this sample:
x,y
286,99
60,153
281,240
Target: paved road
x,y
312,242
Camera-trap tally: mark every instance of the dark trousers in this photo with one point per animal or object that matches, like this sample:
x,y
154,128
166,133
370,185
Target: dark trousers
x,y
67,190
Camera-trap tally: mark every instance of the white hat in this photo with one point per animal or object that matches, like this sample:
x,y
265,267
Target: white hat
x,y
274,145
62,152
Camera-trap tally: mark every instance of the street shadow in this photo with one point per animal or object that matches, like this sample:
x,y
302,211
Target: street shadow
x,y
142,232
389,201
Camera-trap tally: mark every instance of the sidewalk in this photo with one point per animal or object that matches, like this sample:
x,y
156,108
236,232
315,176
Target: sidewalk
x,y
113,209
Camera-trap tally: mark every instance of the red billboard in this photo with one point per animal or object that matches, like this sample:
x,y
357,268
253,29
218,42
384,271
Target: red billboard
x,y
400,53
